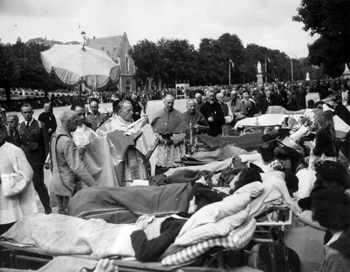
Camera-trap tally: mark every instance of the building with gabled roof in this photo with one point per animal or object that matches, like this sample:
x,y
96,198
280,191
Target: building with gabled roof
x,y
117,48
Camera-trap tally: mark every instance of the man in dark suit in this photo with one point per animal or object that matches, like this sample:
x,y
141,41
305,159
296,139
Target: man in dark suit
x,y
258,96
34,141
5,130
48,119
212,111
266,101
13,122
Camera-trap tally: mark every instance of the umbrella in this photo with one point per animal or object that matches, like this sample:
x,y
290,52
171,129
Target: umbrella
x,y
74,64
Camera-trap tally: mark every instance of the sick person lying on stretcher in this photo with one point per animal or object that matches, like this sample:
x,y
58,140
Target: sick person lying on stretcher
x,y
154,235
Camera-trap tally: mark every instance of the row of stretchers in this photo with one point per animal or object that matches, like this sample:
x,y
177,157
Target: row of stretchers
x,y
219,227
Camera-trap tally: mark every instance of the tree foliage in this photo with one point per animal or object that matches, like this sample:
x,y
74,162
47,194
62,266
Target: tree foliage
x,y
331,20
174,61
169,61
20,66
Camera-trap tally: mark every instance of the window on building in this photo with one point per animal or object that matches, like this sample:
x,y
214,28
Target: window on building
x,y
127,86
127,70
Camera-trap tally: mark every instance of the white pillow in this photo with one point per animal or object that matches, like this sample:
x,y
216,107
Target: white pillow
x,y
216,211
207,231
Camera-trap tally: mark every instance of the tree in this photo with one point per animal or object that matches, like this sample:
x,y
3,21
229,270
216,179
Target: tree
x,y
178,61
21,66
278,64
9,69
214,56
330,19
146,57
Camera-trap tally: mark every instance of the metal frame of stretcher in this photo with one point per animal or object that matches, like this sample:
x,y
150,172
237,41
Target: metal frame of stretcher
x,y
17,256
271,220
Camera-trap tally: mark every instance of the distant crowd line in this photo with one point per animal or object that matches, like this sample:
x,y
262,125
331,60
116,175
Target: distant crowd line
x,y
293,94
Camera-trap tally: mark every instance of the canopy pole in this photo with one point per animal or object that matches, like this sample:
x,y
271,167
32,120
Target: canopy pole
x,y
80,88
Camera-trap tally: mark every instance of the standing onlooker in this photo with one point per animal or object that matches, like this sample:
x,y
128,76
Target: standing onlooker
x,y
194,119
136,107
6,130
248,104
18,199
48,119
279,96
35,144
3,115
199,101
66,162
291,103
13,121
236,106
144,101
95,119
170,127
258,96
83,135
266,101
301,96
227,113
212,111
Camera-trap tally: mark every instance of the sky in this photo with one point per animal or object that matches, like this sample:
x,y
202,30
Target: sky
x,y
263,22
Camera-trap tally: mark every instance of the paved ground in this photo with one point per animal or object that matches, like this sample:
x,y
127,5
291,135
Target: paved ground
x,y
153,106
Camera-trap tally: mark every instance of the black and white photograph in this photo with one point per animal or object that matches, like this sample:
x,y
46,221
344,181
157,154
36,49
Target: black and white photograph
x,y
174,135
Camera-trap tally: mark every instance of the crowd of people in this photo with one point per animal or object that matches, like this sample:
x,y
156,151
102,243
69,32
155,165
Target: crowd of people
x,y
310,142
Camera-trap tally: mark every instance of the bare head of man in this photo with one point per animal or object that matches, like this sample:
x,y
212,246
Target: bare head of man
x,y
69,120
191,107
47,107
125,110
168,101
13,120
27,112
94,106
198,98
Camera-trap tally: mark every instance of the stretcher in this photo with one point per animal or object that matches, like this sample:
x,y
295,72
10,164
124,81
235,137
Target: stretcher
x,y
17,257
57,236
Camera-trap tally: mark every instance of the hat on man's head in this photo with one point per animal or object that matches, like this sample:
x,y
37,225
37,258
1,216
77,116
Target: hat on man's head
x,y
335,196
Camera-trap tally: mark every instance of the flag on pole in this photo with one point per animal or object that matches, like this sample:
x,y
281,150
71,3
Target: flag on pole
x,y
268,60
232,63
